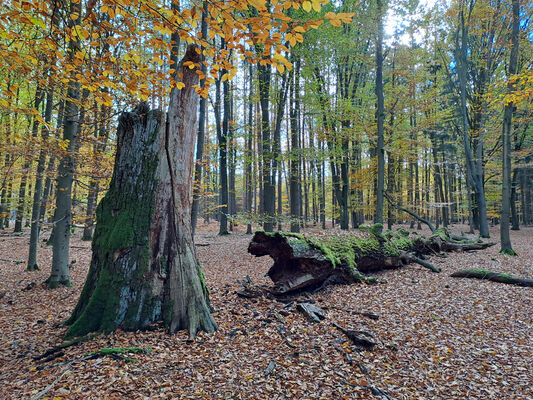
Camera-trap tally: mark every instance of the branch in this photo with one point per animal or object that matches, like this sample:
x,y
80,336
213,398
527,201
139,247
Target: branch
x,y
411,213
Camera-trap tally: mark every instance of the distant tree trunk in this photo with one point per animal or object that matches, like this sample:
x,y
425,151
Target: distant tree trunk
x,y
39,96
294,155
102,135
202,115
505,238
63,213
249,188
222,136
268,198
380,117
474,180
527,175
38,189
232,162
515,222
144,267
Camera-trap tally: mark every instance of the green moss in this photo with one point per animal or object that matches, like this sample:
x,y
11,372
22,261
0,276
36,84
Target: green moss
x,y
55,284
292,235
487,272
167,313
508,252
100,313
441,233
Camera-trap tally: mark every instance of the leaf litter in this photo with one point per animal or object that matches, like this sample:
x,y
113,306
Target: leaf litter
x,y
437,337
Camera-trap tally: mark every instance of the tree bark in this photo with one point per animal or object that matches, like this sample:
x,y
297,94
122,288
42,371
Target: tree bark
x,y
63,213
201,132
505,237
144,267
380,117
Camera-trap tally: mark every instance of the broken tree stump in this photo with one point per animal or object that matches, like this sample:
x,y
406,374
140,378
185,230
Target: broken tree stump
x,y
312,262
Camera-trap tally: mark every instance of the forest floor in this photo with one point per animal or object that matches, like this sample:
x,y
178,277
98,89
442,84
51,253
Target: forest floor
x,y
438,337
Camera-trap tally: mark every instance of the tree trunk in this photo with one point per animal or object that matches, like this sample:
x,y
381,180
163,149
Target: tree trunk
x,y
380,117
294,159
505,238
65,172
38,189
144,267
268,203
201,132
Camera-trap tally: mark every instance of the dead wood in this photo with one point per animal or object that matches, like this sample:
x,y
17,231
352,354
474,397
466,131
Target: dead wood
x,y
411,213
361,339
492,276
310,263
312,312
57,349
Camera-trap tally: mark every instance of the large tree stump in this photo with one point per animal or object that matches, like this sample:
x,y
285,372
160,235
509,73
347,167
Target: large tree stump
x,y
144,267
308,262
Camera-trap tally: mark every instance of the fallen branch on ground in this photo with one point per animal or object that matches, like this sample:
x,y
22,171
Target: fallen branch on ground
x,y
492,276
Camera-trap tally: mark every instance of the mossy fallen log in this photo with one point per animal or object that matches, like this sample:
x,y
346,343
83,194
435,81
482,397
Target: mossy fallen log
x,y
492,276
311,262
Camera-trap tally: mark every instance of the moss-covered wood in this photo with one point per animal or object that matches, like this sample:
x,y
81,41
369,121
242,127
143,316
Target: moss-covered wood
x,y
492,276
305,262
144,267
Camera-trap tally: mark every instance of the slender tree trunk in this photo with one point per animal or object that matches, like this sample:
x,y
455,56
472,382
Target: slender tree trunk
x,y
380,117
515,222
268,203
249,189
474,180
63,213
38,189
39,96
222,132
505,238
294,158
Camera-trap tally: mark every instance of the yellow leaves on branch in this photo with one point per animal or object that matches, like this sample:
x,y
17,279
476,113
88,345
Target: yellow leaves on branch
x,y
125,46
337,19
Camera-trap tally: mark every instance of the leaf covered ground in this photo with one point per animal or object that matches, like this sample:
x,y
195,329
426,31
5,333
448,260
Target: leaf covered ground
x,y
438,337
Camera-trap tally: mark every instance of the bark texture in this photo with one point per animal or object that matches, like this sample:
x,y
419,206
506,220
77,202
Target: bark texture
x,y
144,267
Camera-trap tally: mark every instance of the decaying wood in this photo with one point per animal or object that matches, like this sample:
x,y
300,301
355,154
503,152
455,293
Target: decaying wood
x,y
411,213
311,263
493,276
51,386
54,351
144,267
312,312
362,339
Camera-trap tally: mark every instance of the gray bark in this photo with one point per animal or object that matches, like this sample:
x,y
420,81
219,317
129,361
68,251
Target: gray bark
x,y
505,238
144,267
63,213
380,117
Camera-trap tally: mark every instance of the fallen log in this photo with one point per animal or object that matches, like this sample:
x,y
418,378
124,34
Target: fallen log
x,y
312,262
492,276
